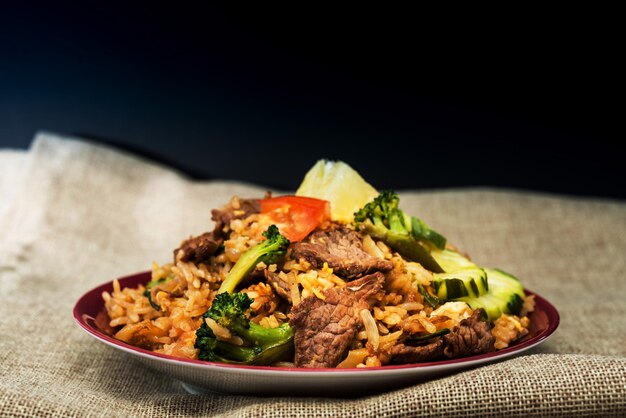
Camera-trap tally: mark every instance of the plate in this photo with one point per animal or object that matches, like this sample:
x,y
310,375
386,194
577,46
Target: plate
x,y
206,377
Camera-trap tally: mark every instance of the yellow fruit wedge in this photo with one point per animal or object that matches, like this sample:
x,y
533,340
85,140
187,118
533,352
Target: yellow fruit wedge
x,y
341,185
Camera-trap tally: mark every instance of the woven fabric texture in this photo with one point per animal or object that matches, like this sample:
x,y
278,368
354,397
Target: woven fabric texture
x,y
74,215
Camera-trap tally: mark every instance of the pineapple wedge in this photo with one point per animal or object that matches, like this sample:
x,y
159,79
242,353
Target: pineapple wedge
x,y
341,185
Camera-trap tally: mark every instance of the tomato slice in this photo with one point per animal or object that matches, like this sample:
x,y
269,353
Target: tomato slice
x,y
296,216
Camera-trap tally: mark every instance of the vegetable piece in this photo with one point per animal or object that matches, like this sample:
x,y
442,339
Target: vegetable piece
x,y
258,345
460,283
426,337
430,299
422,231
373,337
152,284
382,219
296,216
451,260
341,185
505,295
270,251
354,358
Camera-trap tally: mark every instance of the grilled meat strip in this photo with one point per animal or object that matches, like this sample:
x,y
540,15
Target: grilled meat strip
x,y
342,249
471,337
280,286
325,328
235,209
406,354
201,248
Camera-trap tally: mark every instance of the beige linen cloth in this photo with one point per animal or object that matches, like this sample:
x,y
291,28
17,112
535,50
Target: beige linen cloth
x,y
74,215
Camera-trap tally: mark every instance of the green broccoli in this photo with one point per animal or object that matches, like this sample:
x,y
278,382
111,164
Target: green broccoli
x,y
382,219
270,251
261,346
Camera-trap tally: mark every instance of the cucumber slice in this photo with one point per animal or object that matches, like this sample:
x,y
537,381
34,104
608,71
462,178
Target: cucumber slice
x,y
467,282
505,295
451,261
420,230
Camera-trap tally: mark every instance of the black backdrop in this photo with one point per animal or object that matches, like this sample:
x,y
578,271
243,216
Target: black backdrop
x,y
410,98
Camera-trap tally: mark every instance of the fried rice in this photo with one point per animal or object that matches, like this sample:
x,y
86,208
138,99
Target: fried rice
x,y
167,322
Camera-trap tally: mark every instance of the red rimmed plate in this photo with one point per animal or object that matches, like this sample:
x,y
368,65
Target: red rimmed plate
x,y
201,376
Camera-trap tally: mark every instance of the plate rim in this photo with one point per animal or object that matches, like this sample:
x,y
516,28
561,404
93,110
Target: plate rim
x,y
81,318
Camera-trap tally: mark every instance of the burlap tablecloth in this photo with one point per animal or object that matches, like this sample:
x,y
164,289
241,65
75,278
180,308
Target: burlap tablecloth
x,y
74,215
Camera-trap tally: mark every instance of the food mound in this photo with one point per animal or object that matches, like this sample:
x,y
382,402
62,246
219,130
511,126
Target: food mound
x,y
334,276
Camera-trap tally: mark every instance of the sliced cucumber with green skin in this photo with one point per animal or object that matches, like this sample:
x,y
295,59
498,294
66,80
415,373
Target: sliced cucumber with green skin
x,y
422,232
451,261
467,282
505,295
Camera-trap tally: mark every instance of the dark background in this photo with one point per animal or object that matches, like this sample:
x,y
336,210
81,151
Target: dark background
x,y
410,98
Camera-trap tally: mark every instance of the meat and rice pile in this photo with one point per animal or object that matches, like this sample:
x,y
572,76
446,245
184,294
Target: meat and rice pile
x,y
320,279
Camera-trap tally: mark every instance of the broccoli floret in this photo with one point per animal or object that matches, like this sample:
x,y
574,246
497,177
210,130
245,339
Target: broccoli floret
x,y
380,210
261,346
382,219
270,251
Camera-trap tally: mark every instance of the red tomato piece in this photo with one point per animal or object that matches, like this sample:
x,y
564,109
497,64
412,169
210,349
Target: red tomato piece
x,y
296,216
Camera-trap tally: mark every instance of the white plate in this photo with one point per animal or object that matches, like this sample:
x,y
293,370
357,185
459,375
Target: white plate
x,y
202,377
